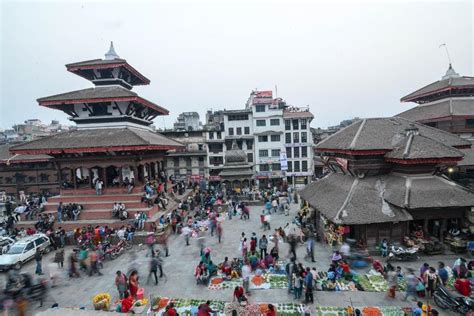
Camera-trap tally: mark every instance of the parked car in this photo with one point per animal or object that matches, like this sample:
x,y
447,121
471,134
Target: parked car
x,y
5,244
24,250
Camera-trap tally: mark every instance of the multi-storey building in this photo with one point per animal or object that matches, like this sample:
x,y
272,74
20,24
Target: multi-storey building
x,y
191,162
299,145
279,129
188,121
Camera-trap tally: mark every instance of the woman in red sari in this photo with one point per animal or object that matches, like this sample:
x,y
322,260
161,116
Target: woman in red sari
x,y
133,284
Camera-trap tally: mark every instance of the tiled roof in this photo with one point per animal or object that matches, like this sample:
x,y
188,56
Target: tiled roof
x,y
106,63
6,155
382,134
387,198
99,140
443,109
348,200
468,159
440,85
101,94
421,147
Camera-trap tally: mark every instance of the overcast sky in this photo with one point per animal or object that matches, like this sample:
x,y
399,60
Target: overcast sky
x,y
344,59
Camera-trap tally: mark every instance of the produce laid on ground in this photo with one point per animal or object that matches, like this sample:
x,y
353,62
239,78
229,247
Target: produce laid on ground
x,y
183,306
366,311
268,281
219,283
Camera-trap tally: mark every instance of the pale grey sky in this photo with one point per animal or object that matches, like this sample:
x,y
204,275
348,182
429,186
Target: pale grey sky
x,y
344,59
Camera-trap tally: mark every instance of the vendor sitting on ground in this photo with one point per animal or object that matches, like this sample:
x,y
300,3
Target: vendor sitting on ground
x,y
201,274
236,266
239,294
212,268
226,266
126,303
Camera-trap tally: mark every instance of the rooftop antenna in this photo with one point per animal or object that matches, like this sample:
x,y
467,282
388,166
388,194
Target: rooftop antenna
x,y
276,92
447,52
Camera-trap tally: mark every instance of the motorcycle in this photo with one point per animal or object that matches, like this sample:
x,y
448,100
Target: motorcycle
x,y
116,250
403,254
446,299
22,285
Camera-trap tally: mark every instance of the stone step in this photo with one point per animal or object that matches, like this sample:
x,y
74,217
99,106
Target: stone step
x,y
107,213
109,221
94,205
90,191
104,197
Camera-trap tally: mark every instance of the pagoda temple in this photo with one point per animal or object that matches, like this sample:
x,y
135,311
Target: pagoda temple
x,y
387,180
114,140
447,104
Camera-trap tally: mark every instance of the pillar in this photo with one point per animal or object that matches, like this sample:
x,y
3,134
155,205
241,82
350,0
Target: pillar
x,y
74,181
442,229
104,176
425,225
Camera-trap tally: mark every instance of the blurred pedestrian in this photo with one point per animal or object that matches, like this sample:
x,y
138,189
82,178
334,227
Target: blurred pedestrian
x,y
38,259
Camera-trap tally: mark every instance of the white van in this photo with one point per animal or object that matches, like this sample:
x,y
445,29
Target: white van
x,y
24,250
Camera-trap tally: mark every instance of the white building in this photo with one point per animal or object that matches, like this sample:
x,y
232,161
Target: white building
x,y
299,145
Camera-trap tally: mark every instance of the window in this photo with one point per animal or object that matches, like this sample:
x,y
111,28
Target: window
x,y
274,122
29,247
249,144
261,123
304,151
188,162
239,130
219,135
264,167
297,166
246,130
262,139
304,165
288,153
231,131
275,152
276,166
275,138
250,157
287,138
296,137
295,124
303,124
290,166
238,117
260,108
200,147
287,125
211,135
263,152
40,241
470,122
304,137
175,162
296,152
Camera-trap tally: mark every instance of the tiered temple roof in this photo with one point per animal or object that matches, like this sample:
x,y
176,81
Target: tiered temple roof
x,y
350,197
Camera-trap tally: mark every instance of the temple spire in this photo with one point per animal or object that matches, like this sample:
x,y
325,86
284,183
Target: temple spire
x,y
450,73
111,54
